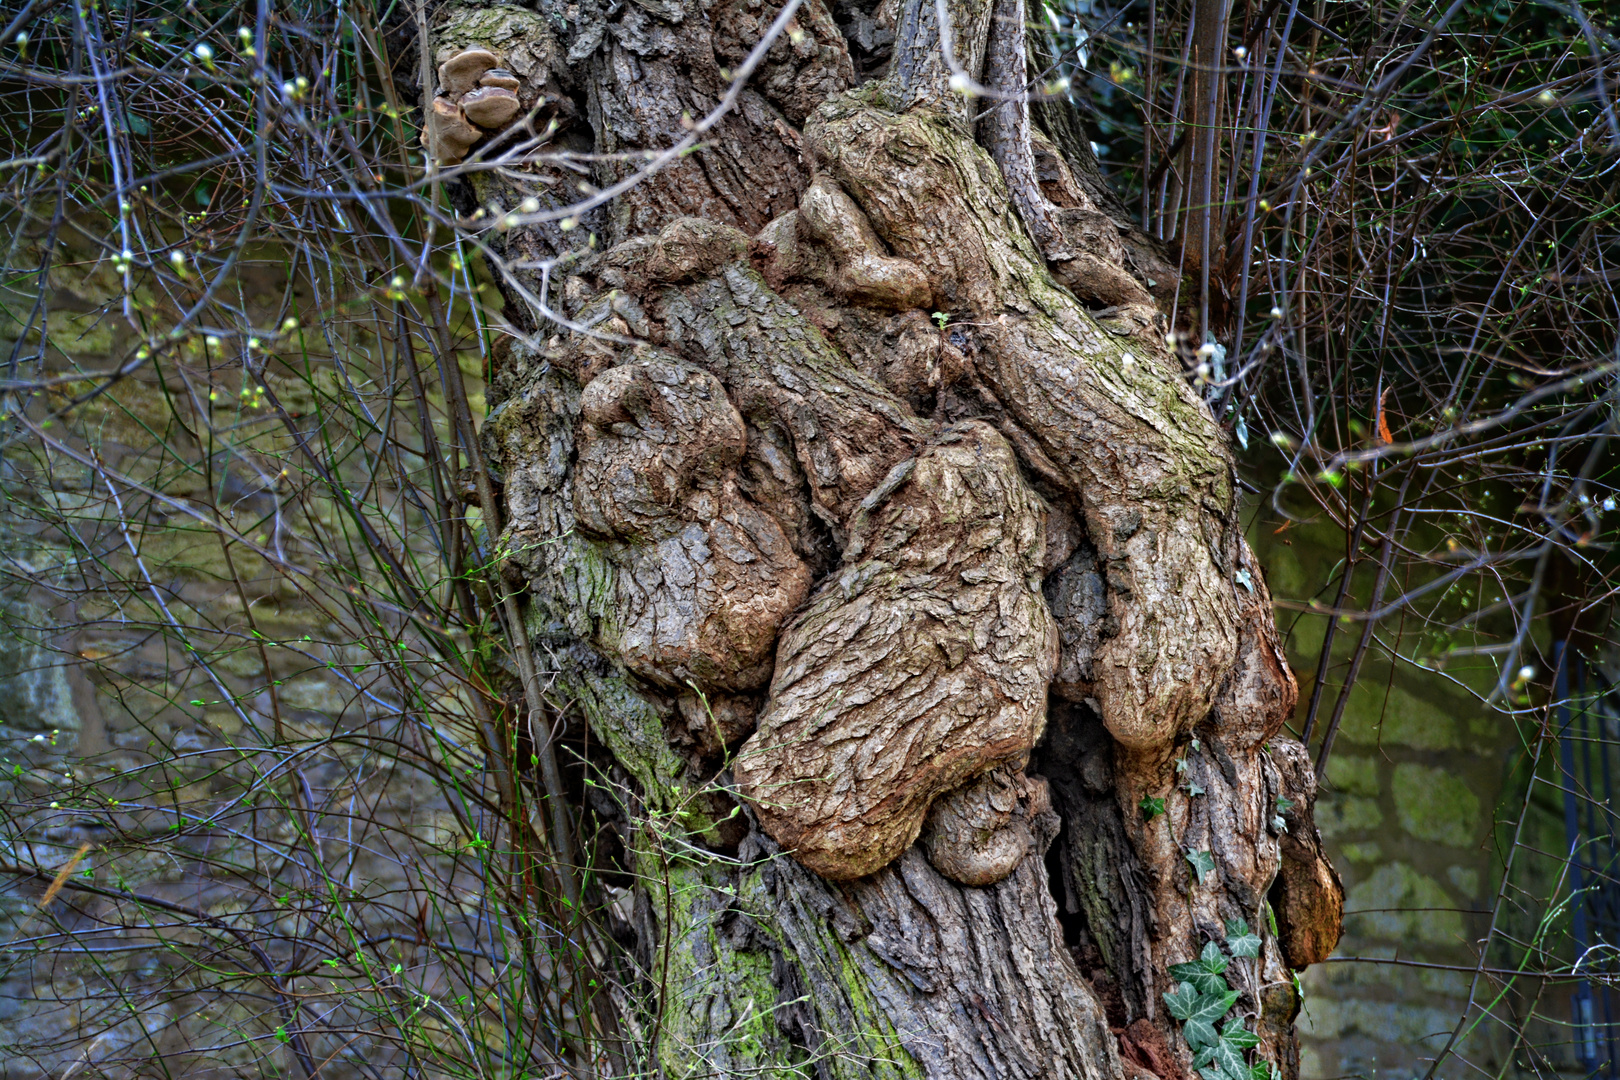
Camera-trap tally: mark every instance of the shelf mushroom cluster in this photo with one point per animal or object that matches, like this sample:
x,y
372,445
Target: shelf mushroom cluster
x,y
476,97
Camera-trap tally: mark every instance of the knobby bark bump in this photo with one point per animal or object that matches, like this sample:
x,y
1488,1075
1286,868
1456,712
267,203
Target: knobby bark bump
x,y
861,489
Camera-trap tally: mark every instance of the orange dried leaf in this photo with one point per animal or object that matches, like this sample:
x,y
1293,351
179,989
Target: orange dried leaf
x,y
62,876
1384,435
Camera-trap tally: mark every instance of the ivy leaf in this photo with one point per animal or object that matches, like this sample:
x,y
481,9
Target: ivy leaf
x,y
139,125
1262,1070
1229,1059
1278,822
1199,1026
1211,959
1183,1000
1239,1036
1202,863
1204,982
1192,789
1241,940
1222,1059
1151,807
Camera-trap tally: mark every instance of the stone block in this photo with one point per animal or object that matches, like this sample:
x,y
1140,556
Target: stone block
x,y
1353,775
1433,804
1346,814
1397,903
1367,851
1465,878
1401,1022
1384,715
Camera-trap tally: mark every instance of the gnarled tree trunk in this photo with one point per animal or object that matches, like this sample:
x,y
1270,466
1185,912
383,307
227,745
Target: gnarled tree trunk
x,y
851,480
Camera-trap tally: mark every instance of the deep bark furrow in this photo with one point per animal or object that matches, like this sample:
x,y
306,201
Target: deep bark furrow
x,y
976,982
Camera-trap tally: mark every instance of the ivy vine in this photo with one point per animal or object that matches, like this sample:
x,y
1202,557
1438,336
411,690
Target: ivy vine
x,y
1203,997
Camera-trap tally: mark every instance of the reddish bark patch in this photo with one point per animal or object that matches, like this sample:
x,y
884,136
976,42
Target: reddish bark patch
x,y
1145,1048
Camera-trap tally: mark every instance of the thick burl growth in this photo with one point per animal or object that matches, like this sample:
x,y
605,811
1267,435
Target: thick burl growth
x,y
706,577
1101,407
921,664
978,834
1307,896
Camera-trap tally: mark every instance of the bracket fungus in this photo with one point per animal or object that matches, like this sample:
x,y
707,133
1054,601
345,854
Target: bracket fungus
x,y
476,97
461,72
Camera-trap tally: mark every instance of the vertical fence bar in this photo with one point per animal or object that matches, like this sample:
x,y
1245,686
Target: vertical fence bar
x,y
1585,712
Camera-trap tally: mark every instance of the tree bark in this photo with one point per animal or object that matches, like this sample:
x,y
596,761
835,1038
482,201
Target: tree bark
x,y
866,522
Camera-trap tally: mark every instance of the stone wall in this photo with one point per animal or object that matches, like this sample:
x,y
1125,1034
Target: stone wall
x,y
1416,811
206,728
